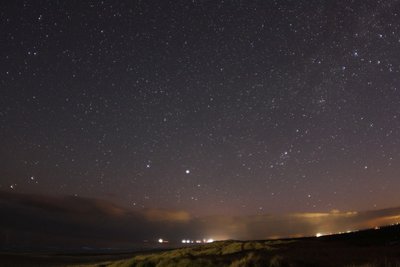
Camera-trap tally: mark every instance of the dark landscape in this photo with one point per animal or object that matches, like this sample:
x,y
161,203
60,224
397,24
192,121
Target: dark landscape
x,y
368,248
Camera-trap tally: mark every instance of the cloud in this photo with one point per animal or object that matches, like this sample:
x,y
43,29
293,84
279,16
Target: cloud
x,y
165,215
38,220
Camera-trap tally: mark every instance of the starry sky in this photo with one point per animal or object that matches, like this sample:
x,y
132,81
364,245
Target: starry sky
x,y
224,107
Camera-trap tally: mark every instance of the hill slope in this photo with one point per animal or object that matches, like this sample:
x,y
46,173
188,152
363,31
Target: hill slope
x,y
380,247
369,248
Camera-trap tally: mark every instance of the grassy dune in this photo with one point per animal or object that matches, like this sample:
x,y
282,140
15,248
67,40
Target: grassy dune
x,y
371,248
221,253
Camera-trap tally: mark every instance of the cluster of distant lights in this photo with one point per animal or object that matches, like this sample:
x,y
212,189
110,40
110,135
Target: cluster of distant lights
x,y
189,241
210,240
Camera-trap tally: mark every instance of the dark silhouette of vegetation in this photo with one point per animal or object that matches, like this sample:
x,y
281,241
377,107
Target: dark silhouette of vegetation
x,y
370,248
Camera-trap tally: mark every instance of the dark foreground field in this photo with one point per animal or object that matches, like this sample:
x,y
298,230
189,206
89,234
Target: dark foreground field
x,y
368,248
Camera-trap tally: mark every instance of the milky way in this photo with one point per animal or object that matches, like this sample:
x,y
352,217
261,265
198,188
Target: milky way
x,y
211,107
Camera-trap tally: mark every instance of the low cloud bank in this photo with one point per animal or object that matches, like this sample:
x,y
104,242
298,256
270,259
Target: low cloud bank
x,y
37,220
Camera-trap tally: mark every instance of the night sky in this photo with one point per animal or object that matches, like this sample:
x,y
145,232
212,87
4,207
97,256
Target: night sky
x,y
208,107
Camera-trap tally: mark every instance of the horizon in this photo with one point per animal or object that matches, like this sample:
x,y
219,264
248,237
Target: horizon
x,y
78,222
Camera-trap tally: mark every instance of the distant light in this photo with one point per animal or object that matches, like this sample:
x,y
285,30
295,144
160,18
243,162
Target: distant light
x,y
319,235
184,241
187,171
210,240
160,240
198,241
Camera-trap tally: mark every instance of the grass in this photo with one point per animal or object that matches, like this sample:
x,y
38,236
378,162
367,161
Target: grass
x,y
310,253
221,253
362,249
